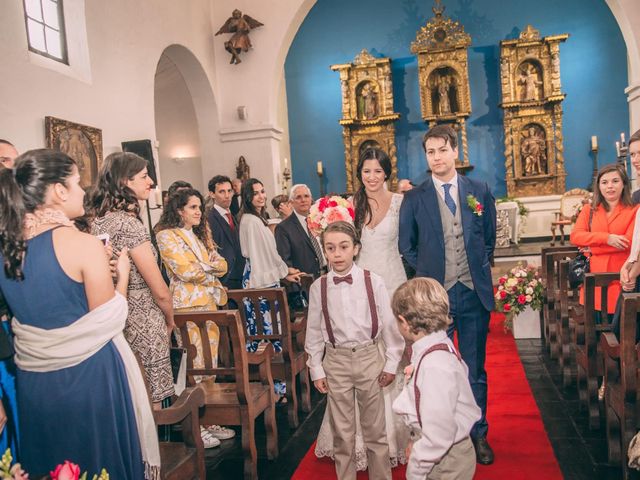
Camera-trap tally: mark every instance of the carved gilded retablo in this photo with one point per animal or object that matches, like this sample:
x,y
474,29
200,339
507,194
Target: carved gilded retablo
x,y
532,103
367,112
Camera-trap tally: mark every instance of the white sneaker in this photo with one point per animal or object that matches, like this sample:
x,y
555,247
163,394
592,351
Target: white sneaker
x,y
220,432
208,440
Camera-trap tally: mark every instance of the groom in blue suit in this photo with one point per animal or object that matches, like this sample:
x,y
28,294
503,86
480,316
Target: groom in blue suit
x,y
448,232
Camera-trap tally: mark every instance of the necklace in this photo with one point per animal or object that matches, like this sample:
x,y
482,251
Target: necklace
x,y
44,216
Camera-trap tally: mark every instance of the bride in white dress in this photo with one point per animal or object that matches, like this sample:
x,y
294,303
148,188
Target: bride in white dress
x,y
377,220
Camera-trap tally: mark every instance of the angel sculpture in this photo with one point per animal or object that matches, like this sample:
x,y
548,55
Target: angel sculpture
x,y
239,25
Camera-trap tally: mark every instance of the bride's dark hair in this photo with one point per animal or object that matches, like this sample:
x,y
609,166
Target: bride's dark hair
x,y
360,200
23,190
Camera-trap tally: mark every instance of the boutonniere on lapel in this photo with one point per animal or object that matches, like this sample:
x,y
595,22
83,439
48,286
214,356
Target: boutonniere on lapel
x,y
475,206
408,373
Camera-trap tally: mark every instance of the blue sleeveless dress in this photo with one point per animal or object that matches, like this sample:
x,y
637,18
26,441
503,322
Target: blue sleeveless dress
x,y
83,413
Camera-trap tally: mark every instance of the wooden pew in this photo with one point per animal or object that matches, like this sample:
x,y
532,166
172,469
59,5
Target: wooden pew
x,y
231,398
551,312
585,338
621,379
547,273
181,460
568,305
291,362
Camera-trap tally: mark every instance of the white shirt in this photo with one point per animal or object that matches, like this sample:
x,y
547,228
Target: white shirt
x,y
303,222
350,316
258,244
447,408
453,190
222,211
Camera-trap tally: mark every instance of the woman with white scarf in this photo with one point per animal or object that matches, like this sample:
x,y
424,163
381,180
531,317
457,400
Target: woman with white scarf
x,y
81,395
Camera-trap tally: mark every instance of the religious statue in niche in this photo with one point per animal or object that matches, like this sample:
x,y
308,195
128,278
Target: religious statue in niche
x,y
533,151
240,25
444,91
368,101
529,79
242,169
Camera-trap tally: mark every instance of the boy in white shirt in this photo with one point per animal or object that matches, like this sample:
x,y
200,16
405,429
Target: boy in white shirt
x,y
349,312
437,402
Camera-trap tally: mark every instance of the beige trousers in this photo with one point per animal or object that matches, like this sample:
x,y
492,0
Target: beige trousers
x,y
458,464
352,375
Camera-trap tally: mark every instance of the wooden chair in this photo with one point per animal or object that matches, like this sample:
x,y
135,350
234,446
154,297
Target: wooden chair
x,y
181,460
291,361
621,378
554,292
547,272
569,203
232,399
585,339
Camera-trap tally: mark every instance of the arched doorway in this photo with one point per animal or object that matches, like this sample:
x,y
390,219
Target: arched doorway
x,y
186,119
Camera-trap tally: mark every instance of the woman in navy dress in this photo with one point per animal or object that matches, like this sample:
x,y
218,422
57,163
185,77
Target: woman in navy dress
x,y
53,275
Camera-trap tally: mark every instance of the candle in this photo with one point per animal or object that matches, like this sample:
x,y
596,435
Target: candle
x,y
618,148
157,193
319,167
594,142
285,162
622,138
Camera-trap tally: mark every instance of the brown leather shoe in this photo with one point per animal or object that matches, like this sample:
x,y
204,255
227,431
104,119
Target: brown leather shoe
x,y
484,453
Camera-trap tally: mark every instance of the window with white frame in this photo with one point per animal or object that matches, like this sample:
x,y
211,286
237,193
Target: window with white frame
x,y
45,28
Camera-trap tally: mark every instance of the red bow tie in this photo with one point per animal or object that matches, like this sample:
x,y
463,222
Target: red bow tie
x,y
346,278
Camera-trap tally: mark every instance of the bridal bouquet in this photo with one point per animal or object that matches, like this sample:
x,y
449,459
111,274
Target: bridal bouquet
x,y
327,210
520,288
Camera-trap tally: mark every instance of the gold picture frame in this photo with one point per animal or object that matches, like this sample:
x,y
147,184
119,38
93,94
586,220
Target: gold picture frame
x,y
80,142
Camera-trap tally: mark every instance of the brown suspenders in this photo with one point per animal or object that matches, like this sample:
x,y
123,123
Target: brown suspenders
x,y
416,390
372,307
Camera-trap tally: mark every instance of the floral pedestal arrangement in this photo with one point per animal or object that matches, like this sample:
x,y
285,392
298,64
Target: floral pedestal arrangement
x,y
519,296
526,324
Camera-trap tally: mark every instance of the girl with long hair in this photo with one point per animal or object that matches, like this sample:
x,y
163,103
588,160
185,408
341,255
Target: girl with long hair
x,y
78,380
123,182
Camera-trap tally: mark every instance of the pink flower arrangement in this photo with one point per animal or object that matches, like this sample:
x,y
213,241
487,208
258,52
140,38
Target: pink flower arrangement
x,y
520,288
327,210
66,471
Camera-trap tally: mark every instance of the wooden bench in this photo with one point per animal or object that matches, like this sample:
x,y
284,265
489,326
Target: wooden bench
x,y
588,355
565,312
547,273
291,362
231,398
621,379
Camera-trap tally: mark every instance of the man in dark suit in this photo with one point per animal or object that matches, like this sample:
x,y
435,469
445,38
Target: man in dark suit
x,y
235,202
448,232
634,153
224,227
297,247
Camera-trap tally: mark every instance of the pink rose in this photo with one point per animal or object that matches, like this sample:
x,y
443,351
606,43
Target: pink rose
x,y
324,203
408,372
502,280
334,215
66,471
352,213
522,299
506,307
503,294
333,203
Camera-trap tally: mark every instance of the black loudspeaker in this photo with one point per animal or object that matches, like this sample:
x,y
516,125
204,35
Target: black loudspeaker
x,y
143,149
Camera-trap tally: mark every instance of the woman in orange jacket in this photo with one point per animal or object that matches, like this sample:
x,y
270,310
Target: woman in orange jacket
x,y
611,231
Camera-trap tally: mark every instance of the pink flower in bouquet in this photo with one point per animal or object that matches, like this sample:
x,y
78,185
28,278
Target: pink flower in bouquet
x,y
503,294
506,307
502,280
333,203
323,203
522,299
17,473
66,471
335,215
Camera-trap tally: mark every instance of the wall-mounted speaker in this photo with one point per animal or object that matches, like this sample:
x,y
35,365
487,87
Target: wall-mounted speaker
x,y
143,149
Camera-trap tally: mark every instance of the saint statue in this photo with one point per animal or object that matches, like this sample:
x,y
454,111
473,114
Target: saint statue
x,y
533,152
242,169
368,102
444,84
239,25
530,82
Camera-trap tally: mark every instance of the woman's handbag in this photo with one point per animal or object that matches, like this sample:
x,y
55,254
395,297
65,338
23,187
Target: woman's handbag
x,y
579,265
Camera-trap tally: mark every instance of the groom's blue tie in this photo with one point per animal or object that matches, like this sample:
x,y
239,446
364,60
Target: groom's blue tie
x,y
448,199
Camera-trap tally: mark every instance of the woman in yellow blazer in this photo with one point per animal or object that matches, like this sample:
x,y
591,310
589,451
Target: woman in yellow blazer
x,y
194,267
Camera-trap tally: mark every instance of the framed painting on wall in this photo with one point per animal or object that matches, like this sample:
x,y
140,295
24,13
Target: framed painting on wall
x,y
80,142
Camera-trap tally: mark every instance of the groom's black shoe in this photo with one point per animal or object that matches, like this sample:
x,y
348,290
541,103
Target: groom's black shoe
x,y
484,453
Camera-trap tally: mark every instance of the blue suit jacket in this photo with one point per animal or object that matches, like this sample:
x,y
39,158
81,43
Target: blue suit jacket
x,y
421,240
228,242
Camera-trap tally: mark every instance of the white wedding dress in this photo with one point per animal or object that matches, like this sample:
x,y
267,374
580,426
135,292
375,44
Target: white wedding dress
x,y
379,254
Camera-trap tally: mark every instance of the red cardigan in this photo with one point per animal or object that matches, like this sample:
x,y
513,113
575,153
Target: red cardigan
x,y
605,258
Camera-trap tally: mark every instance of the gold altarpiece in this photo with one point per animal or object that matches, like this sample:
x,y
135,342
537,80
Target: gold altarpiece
x,y
532,103
443,73
367,112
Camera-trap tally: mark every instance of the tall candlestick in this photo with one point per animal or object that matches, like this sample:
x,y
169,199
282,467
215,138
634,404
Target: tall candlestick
x,y
594,142
285,162
622,138
618,149
319,168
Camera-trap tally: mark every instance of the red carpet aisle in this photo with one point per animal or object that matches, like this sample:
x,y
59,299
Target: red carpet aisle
x,y
516,431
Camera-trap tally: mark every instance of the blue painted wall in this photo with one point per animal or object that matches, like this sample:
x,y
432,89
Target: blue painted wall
x,y
592,62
